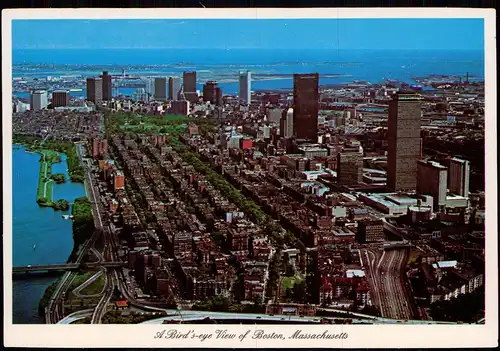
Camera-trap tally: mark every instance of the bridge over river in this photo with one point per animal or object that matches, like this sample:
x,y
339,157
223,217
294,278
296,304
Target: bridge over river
x,y
64,267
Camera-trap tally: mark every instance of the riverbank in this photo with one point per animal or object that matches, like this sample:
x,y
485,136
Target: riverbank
x,y
76,171
82,228
83,224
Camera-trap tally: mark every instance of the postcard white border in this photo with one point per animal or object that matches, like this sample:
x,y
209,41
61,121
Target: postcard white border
x,y
359,336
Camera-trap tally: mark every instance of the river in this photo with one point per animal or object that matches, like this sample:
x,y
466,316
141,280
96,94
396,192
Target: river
x,y
34,225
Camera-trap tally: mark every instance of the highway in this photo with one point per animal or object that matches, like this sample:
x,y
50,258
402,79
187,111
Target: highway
x,y
66,267
385,274
73,317
100,309
53,311
52,314
173,315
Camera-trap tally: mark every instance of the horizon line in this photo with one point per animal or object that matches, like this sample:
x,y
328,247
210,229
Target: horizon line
x,y
250,48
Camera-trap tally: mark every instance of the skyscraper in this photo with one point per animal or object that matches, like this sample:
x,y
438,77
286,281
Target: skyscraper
x,y
432,180
38,100
189,86
458,177
212,93
305,106
189,82
107,86
150,87
94,89
245,87
60,98
350,167
404,144
140,95
174,87
286,123
160,88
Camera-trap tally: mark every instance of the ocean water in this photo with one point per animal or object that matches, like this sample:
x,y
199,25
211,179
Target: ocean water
x,y
34,225
224,65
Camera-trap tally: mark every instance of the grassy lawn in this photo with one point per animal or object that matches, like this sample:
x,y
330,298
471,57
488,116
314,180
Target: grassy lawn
x,y
95,287
289,282
80,279
48,157
147,127
135,122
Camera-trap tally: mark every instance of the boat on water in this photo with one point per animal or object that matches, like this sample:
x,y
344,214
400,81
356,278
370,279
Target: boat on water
x,y
67,217
34,247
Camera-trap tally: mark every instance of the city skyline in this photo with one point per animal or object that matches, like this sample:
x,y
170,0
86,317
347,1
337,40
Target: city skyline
x,y
252,171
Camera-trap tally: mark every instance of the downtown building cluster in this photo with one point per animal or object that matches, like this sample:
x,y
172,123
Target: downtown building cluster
x,y
341,172
181,257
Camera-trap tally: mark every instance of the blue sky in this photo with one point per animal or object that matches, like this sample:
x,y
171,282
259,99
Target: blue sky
x,y
435,34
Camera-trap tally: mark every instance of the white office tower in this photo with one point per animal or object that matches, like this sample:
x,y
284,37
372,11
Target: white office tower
x,y
245,87
458,177
38,100
150,87
286,124
20,107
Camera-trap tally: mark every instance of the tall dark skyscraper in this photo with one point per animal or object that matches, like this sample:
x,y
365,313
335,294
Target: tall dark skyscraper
x,y
349,168
189,82
212,93
107,86
189,86
245,93
174,86
60,98
404,142
94,89
305,106
160,89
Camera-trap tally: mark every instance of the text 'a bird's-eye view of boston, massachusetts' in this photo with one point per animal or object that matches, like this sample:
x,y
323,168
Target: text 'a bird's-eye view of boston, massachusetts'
x,y
333,176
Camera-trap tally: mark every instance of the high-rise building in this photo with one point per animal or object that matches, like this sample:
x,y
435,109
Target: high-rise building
x,y
150,87
60,98
350,167
189,86
432,180
174,87
140,95
94,89
212,93
38,100
21,107
189,82
404,142
160,89
107,86
245,87
458,177
286,123
306,106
